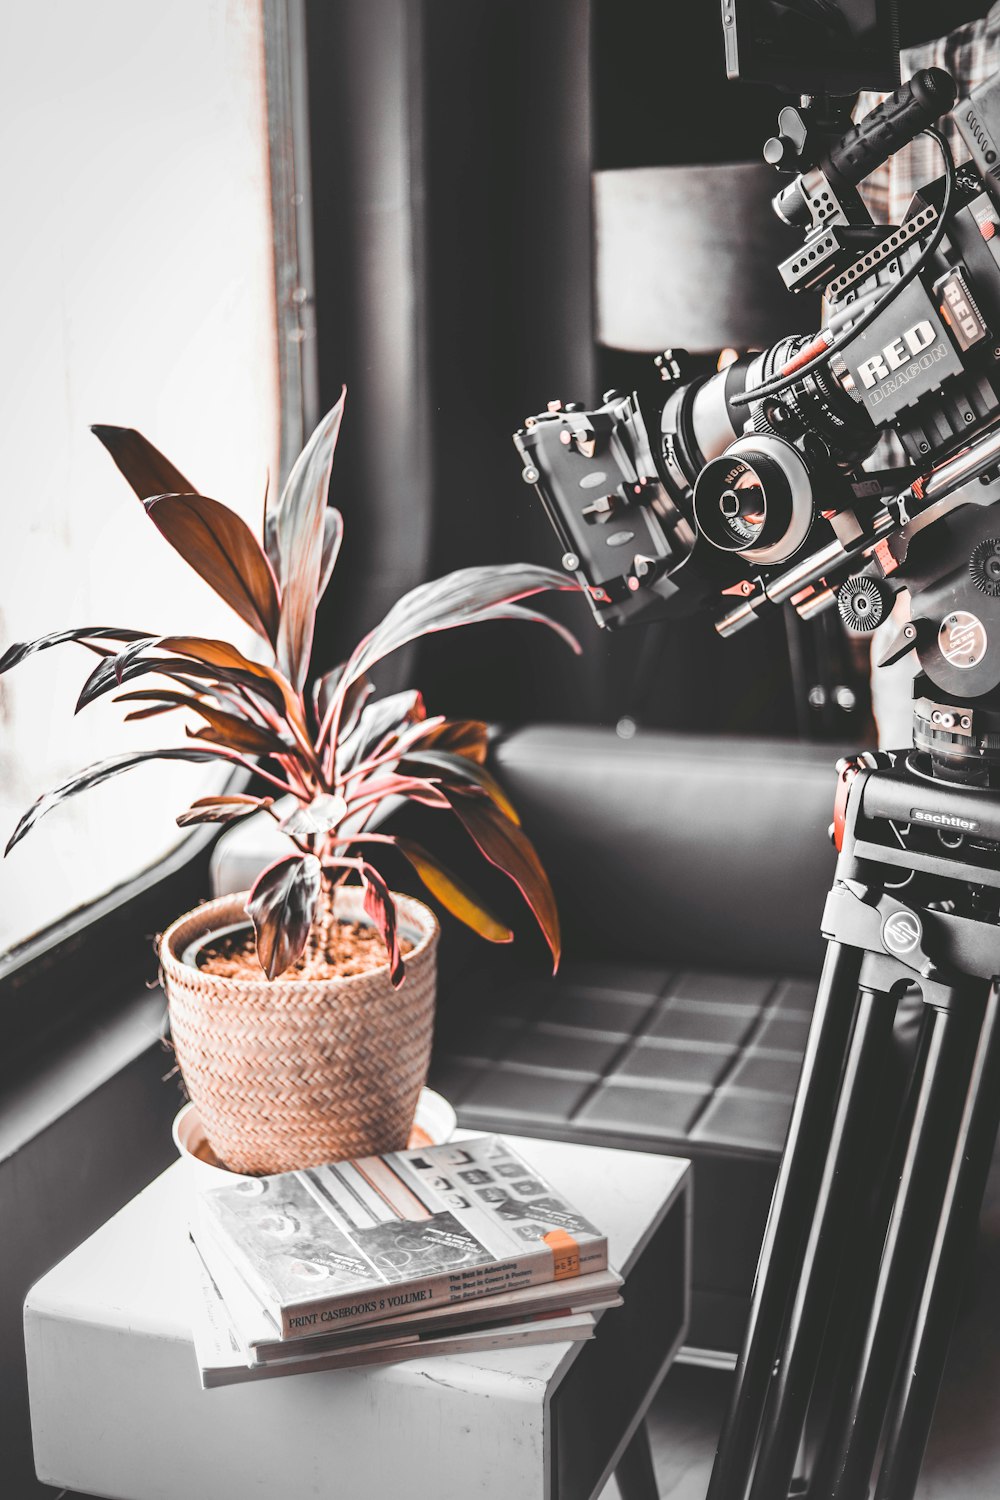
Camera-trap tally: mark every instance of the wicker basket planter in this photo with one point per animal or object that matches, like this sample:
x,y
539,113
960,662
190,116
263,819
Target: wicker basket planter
x,y
289,1073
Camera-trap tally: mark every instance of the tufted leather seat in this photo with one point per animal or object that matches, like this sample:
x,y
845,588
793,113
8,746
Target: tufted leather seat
x,y
691,876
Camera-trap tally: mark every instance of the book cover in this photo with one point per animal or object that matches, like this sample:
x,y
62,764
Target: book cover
x,y
258,1337
221,1361
366,1241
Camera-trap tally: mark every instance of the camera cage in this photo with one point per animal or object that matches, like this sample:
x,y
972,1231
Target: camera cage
x,y
746,489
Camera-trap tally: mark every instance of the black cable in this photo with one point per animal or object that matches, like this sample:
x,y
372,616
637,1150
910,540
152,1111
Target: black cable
x,y
780,382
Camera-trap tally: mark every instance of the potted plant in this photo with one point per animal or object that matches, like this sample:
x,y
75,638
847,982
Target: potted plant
x,y
304,1034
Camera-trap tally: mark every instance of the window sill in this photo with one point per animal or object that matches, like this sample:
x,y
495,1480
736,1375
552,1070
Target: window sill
x,y
72,1068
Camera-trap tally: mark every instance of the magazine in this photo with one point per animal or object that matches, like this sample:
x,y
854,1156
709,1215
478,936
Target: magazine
x,y
366,1241
221,1360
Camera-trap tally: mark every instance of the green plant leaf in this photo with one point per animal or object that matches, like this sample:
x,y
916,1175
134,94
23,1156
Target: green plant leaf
x,y
509,848
221,548
144,466
222,809
93,775
379,905
300,537
281,906
453,893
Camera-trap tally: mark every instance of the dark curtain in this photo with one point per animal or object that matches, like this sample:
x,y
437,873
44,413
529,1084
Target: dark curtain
x,y
452,147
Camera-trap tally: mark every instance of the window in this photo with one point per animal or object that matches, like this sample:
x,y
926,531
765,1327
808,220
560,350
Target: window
x,y
137,288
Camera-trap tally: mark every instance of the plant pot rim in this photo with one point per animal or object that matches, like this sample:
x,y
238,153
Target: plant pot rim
x,y
434,1113
423,928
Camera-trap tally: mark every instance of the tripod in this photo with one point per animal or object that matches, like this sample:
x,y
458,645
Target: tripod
x,y
867,1238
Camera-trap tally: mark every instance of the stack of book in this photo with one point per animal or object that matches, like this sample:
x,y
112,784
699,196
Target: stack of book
x,y
446,1249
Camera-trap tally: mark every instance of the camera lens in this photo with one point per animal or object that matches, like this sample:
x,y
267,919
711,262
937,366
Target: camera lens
x,y
755,499
742,508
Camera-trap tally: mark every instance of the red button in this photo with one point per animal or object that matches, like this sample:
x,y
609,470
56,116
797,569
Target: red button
x,y
987,229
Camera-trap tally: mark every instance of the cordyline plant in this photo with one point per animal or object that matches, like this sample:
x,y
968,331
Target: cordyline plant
x,y
343,754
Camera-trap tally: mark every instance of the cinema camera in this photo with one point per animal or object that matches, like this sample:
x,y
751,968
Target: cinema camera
x,y
745,489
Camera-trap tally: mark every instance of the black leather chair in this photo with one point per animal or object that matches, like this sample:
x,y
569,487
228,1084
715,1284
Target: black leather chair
x,y
691,876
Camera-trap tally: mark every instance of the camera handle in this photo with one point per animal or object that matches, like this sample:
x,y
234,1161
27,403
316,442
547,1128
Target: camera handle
x,y
831,156
866,1243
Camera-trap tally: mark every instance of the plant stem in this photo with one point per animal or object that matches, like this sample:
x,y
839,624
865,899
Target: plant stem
x,y
322,944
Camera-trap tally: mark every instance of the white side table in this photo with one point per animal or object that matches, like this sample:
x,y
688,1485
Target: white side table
x,y
117,1409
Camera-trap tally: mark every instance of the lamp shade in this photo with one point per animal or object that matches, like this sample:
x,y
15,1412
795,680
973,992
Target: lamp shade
x,y
687,257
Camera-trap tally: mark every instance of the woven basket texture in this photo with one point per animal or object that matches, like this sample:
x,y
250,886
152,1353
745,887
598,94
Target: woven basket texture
x,y
287,1074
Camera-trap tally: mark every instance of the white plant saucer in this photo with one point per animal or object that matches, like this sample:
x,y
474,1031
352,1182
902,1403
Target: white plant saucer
x,y
434,1123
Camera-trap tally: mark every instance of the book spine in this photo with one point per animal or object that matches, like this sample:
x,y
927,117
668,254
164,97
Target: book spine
x,y
443,1289
212,1245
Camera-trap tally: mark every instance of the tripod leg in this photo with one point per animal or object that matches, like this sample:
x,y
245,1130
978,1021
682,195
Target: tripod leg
x,y
840,1185
791,1208
923,1364
950,1050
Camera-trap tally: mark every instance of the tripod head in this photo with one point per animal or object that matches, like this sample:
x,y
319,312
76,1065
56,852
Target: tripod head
x,y
951,564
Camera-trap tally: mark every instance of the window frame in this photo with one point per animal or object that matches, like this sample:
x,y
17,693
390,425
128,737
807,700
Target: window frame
x,y
82,965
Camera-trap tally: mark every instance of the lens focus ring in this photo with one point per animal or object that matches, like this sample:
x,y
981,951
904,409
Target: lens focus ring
x,y
755,499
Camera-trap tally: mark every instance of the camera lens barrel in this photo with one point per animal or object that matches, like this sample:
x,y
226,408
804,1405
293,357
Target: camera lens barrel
x,y
755,499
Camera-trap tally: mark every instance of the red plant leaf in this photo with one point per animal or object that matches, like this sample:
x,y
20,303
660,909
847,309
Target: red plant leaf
x,y
507,847
324,697
318,816
464,597
199,676
238,732
22,649
281,906
453,893
235,729
144,466
368,796
221,655
160,701
93,775
379,905
299,534
333,536
221,548
222,809
156,711
468,737
379,722
456,771
530,617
